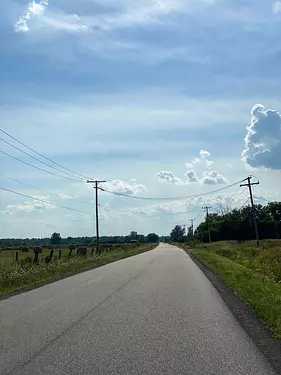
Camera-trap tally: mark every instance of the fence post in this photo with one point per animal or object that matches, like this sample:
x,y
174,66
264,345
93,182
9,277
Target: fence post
x,y
51,255
60,253
17,256
36,258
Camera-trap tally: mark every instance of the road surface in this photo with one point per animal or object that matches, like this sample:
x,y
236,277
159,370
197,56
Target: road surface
x,y
155,313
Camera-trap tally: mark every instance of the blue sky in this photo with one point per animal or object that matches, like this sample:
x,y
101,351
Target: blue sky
x,y
156,97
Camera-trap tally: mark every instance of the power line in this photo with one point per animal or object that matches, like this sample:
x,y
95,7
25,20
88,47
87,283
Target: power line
x,y
173,198
40,169
37,188
40,161
44,201
238,203
44,157
238,199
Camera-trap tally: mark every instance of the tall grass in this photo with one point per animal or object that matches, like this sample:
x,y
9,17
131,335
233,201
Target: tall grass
x,y
265,259
17,276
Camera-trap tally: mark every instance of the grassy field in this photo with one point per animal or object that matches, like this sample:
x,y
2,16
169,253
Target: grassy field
x,y
8,256
254,273
15,276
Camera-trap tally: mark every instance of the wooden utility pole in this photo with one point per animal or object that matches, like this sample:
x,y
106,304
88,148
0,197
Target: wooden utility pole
x,y
96,186
192,227
249,185
208,222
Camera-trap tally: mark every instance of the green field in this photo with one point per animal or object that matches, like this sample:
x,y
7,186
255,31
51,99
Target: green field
x,y
19,275
8,256
254,273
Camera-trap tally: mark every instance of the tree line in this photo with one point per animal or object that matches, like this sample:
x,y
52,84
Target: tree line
x,y
56,239
236,225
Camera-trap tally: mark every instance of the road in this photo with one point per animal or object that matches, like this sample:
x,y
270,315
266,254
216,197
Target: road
x,y
155,313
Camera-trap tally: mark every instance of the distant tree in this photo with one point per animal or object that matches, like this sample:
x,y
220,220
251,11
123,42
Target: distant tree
x,y
152,237
55,239
177,234
133,235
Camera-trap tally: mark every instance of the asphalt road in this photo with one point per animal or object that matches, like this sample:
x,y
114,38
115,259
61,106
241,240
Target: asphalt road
x,y
155,313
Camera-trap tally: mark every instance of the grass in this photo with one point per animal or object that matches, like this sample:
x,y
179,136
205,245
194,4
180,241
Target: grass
x,y
253,273
7,256
265,260
18,276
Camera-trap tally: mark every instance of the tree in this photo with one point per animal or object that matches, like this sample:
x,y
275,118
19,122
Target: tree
x,y
152,237
237,225
55,239
133,235
177,234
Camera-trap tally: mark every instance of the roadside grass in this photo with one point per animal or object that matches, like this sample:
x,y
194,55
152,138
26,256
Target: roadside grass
x,y
253,273
17,276
265,259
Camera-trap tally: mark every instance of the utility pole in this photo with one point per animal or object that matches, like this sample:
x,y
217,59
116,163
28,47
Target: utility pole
x,y
192,227
96,186
249,185
208,222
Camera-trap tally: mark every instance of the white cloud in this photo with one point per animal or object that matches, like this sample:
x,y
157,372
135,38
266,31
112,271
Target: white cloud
x,y
53,20
203,160
188,165
213,178
208,177
167,177
191,176
263,139
109,17
277,7
64,22
204,154
30,206
130,188
34,9
65,196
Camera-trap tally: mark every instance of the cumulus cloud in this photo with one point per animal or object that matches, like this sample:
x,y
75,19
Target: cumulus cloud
x,y
30,206
203,160
168,177
204,154
34,9
277,7
191,176
204,164
263,139
213,178
130,188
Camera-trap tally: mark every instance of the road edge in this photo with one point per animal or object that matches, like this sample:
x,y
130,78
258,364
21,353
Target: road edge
x,y
260,334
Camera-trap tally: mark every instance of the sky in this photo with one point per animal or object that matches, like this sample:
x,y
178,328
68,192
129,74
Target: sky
x,y
160,98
